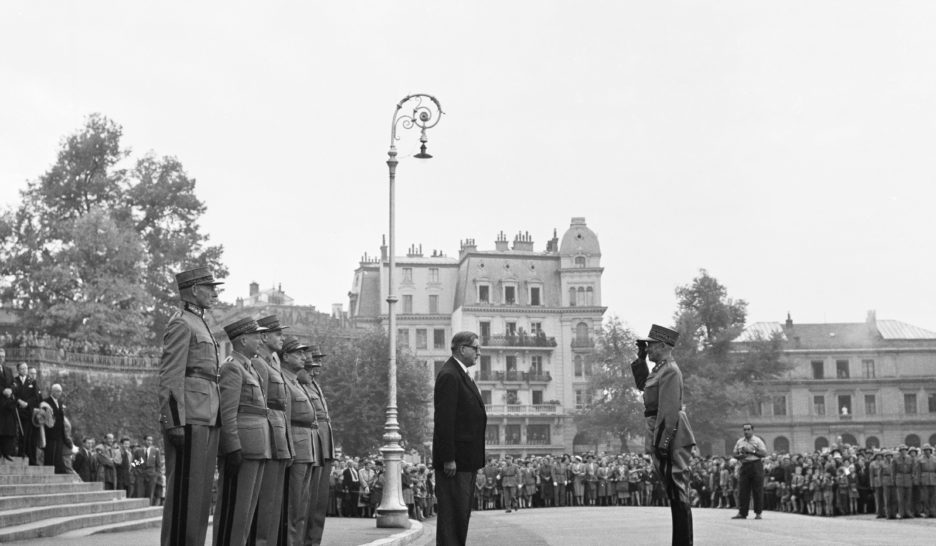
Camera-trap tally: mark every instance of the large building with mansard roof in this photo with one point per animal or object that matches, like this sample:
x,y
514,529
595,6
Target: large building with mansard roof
x,y
535,310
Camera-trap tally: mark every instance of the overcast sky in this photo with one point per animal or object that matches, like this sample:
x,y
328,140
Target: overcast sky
x,y
787,147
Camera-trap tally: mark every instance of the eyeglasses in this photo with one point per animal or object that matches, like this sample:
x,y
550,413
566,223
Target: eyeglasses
x,y
477,348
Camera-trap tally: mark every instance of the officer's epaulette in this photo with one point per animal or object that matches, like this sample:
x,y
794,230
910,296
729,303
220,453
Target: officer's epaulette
x,y
176,315
230,358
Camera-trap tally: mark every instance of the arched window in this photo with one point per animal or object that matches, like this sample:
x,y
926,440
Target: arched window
x,y
580,261
581,332
872,442
849,439
571,296
912,440
580,296
932,441
821,442
578,366
589,296
781,444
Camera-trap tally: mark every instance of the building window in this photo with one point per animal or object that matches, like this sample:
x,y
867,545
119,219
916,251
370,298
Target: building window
x,y
756,409
579,399
512,397
821,442
841,369
511,328
511,365
484,293
535,295
872,442
581,332
403,337
849,439
579,371
781,444
870,404
868,367
537,435
819,405
912,440
817,371
433,274
433,304
486,397
485,332
438,338
422,338
512,433
510,295
537,397
437,364
492,435
485,366
580,296
910,404
536,365
779,405
589,296
931,402
536,328
408,304
844,404
407,274
580,261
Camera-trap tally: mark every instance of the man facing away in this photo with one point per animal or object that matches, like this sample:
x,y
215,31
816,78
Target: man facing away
x,y
457,439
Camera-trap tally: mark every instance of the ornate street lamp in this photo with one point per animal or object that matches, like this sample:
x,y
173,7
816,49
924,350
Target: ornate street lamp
x,y
392,511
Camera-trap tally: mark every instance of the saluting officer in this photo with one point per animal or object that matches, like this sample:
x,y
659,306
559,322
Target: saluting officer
x,y
245,437
303,426
318,502
669,437
188,408
267,364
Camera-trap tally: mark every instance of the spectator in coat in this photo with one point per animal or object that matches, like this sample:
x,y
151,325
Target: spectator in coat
x,y
55,431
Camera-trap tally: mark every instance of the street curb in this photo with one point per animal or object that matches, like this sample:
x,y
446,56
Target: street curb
x,y
400,539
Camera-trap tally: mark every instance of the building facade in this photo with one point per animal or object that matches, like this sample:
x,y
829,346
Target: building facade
x,y
868,384
535,311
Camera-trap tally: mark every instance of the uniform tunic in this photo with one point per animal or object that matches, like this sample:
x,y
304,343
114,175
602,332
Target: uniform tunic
x,y
302,427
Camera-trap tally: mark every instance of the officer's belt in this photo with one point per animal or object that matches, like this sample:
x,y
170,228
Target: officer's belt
x,y
303,424
201,374
253,410
276,404
650,413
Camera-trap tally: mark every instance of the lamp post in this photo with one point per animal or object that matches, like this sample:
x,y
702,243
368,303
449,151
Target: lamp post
x,y
426,114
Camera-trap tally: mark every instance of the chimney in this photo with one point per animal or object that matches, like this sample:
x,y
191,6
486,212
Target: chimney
x,y
552,245
383,250
466,246
789,321
501,244
871,320
254,289
523,241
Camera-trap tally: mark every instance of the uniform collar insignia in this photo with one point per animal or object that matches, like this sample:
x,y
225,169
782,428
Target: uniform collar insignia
x,y
191,307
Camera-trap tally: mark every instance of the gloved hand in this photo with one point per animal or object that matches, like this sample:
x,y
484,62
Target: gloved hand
x,y
176,437
642,350
234,459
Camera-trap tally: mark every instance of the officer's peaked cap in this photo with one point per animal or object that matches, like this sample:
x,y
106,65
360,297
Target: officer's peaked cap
x,y
192,277
661,333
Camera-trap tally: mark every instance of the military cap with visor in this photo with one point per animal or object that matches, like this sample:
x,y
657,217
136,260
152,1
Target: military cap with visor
x,y
193,277
271,323
292,345
661,334
241,327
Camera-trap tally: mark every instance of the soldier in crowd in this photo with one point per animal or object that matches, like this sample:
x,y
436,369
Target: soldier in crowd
x,y
27,396
877,484
188,406
546,488
926,470
245,437
267,363
903,480
318,503
888,485
916,507
304,440
510,481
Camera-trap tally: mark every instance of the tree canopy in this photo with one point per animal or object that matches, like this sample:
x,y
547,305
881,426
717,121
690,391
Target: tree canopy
x,y
91,250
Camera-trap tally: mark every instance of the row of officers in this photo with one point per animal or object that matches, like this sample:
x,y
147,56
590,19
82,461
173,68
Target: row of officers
x,y
260,416
904,484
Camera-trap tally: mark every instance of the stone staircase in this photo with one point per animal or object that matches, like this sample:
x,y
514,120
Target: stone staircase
x,y
35,502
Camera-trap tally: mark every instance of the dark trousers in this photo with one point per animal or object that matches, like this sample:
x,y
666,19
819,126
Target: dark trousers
x,y
318,503
53,455
454,497
674,471
751,478
559,494
189,476
28,447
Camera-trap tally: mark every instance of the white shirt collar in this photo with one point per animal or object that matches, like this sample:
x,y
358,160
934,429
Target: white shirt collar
x,y
463,367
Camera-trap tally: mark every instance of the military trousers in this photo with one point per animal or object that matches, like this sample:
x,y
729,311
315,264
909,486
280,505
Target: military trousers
x,y
890,501
905,501
189,476
928,499
297,502
674,472
318,503
559,494
238,492
271,499
880,506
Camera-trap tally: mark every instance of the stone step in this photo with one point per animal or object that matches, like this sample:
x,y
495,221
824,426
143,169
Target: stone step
x,y
134,525
22,516
12,479
48,488
8,467
28,470
27,501
57,526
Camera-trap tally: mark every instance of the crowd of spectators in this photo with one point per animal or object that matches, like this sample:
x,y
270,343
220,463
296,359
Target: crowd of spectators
x,y
31,339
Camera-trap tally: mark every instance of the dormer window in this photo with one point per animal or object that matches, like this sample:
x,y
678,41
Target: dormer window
x,y
580,261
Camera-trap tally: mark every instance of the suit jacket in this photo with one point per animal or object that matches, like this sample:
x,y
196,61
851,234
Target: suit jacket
x,y
187,395
84,465
663,395
123,467
27,391
244,423
460,420
152,461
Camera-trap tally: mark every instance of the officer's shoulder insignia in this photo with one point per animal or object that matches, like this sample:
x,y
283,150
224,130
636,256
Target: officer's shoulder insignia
x,y
229,359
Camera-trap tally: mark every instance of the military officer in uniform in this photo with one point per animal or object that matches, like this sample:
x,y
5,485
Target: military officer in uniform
x,y
903,480
188,407
926,470
267,364
245,437
303,427
669,436
318,487
877,483
887,484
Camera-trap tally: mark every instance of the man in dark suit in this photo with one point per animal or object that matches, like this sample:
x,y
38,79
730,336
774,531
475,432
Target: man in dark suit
x,y
84,464
457,439
27,399
55,434
150,468
124,477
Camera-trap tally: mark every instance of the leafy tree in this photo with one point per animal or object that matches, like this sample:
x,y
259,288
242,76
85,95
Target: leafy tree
x,y
92,248
355,383
617,407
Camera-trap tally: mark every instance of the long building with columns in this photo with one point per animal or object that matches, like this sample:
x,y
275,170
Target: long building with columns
x,y
536,312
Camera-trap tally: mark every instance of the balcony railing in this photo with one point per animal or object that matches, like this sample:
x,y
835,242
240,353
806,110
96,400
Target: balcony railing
x,y
583,343
512,375
522,340
517,409
81,360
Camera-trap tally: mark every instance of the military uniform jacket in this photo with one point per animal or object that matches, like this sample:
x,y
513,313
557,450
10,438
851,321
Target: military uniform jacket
x,y
875,471
244,422
510,475
903,471
887,474
926,470
277,398
188,372
560,473
666,421
303,424
326,438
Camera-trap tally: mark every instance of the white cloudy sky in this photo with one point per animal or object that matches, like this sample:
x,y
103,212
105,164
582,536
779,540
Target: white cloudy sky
x,y
785,146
